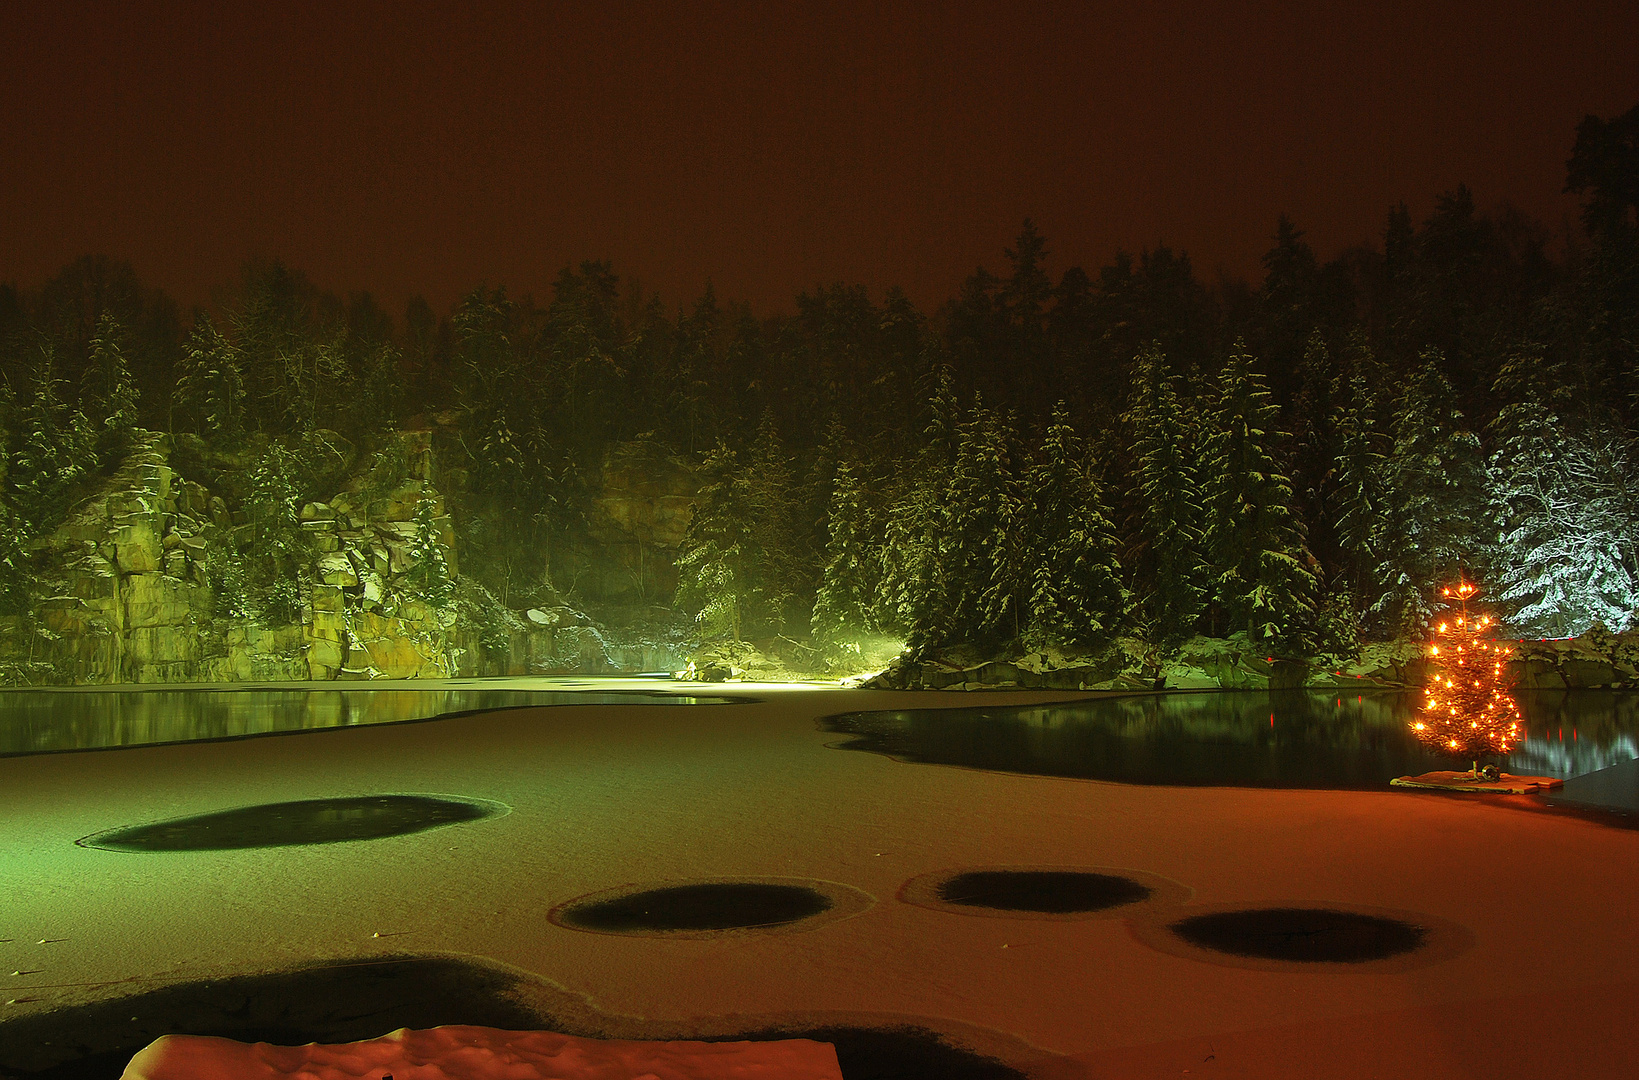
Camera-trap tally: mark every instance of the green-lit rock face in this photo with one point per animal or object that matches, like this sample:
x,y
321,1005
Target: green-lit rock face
x,y
291,824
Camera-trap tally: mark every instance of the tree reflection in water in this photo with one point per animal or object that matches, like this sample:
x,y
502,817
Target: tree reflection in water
x,y
1285,739
43,721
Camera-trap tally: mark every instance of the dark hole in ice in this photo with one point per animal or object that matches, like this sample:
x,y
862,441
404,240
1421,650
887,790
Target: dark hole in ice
x,y
1049,891
306,821
725,906
1303,935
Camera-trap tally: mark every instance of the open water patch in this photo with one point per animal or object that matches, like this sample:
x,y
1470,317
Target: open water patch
x,y
1280,739
298,823
39,721
1318,937
1301,935
1056,892
1042,892
710,908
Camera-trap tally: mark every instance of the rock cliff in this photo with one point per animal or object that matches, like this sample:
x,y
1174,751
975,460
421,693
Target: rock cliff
x,y
125,589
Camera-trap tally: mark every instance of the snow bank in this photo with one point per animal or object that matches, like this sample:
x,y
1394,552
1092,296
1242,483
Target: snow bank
x,y
459,1052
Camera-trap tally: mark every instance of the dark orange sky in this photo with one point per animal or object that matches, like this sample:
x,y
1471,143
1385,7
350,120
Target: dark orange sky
x,y
417,147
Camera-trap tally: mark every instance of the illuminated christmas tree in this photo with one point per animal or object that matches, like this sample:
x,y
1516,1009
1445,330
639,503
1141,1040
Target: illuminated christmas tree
x,y
1467,711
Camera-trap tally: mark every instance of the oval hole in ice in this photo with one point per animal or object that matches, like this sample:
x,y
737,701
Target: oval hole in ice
x,y
304,821
1302,935
1050,891
708,906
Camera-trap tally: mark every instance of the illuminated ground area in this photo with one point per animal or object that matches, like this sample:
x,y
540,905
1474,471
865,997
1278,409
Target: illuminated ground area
x,y
1526,955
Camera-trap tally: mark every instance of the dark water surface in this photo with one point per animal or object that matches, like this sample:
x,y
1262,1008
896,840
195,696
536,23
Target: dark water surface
x,y
1302,935
715,906
1057,892
46,721
1290,739
299,823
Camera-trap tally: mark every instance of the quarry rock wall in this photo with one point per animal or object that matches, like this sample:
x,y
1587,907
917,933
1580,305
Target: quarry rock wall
x,y
125,587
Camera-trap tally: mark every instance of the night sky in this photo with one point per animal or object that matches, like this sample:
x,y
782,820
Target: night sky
x,y
409,147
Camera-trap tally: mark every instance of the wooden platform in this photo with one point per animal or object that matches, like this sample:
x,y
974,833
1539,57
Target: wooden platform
x,y
1505,784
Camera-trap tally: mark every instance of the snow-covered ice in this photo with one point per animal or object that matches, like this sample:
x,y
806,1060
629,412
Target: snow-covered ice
x,y
608,797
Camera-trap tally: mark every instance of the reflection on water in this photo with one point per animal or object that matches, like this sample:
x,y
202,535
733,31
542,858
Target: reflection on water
x,y
1286,739
41,721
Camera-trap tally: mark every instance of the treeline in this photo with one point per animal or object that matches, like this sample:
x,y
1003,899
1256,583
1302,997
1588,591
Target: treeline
x,y
1049,459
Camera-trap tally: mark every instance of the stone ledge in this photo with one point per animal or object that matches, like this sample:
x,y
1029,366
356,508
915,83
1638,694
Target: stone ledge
x,y
1505,784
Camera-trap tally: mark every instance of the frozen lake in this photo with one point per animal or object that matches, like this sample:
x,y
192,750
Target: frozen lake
x,y
1287,739
1057,886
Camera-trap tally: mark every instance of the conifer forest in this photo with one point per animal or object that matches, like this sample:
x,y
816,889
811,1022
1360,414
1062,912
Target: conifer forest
x,y
1054,455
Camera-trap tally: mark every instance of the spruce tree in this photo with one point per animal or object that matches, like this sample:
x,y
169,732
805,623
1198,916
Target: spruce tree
x,y
1262,576
429,573
14,576
1312,446
1567,516
1169,513
1355,505
916,598
1432,529
107,393
277,547
984,550
716,561
55,448
777,537
210,386
1076,594
842,607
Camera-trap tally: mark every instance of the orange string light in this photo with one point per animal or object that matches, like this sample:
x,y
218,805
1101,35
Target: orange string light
x,y
1473,715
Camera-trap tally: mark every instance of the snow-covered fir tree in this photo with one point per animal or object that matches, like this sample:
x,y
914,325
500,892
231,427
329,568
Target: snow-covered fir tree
x,y
778,536
1311,446
277,545
1076,591
1356,497
1432,528
107,394
429,572
716,562
1262,574
985,550
915,599
210,385
14,578
847,591
1169,502
56,446
1566,511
